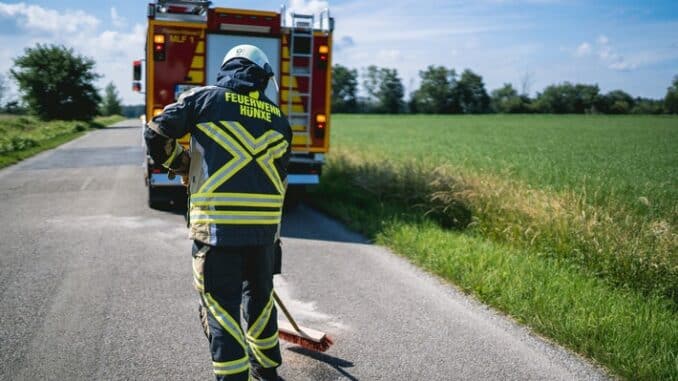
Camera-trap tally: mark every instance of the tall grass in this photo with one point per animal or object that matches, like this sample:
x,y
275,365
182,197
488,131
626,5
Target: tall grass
x,y
613,212
437,218
566,223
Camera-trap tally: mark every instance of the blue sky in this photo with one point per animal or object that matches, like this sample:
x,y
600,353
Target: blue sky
x,y
628,45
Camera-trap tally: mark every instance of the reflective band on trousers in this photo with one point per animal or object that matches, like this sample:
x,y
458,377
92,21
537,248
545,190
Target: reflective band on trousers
x,y
231,367
258,345
225,320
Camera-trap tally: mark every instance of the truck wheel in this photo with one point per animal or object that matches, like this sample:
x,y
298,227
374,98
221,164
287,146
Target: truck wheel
x,y
154,199
294,197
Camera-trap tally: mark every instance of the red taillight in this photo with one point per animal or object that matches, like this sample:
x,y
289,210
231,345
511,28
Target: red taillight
x,y
136,87
159,47
136,70
320,122
323,55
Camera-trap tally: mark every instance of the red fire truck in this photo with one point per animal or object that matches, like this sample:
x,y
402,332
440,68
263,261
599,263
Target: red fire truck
x,y
185,44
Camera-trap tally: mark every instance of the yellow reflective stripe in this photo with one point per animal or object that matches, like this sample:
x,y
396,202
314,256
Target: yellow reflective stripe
x,y
266,163
241,157
235,217
177,151
264,344
225,320
198,281
248,195
196,274
236,203
255,145
211,221
239,160
259,345
198,285
236,199
231,367
263,359
237,213
260,323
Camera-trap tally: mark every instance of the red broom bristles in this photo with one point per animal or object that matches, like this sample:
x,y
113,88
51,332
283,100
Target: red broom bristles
x,y
318,346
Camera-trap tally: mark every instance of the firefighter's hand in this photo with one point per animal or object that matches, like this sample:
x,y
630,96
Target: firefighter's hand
x,y
184,180
183,164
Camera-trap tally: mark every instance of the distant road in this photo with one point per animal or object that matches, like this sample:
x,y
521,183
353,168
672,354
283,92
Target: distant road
x,y
94,285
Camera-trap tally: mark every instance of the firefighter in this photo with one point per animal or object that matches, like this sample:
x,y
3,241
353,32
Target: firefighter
x,y
236,172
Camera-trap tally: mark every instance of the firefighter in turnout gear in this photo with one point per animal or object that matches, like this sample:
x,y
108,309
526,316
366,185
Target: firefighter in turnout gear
x,y
236,170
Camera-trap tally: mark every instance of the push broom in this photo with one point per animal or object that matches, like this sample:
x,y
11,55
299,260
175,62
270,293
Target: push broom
x,y
307,338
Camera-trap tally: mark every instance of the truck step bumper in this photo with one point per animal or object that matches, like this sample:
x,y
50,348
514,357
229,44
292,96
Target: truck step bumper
x,y
162,180
293,179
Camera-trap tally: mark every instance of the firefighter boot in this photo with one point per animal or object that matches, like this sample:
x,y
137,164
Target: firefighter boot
x,y
263,374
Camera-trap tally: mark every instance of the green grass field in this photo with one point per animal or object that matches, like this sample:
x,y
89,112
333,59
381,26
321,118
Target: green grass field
x,y
567,223
25,136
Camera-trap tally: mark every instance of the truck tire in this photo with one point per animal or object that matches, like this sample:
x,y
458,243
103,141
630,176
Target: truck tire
x,y
294,196
154,199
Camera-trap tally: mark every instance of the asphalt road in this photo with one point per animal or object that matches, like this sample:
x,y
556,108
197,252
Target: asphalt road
x,y
94,285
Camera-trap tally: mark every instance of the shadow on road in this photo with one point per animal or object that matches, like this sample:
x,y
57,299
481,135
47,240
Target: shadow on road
x,y
300,222
334,362
306,223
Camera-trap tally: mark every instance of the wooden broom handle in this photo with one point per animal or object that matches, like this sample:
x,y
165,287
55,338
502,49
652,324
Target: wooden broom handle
x,y
286,312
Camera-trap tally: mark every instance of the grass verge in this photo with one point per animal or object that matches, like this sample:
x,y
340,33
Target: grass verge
x,y
511,254
24,136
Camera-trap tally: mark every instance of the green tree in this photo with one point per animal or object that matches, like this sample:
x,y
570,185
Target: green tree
x,y
56,83
472,95
568,98
647,106
671,98
344,89
615,102
371,78
384,88
507,100
437,91
391,91
112,104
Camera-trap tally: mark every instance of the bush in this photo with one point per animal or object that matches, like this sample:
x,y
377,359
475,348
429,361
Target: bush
x,y
57,84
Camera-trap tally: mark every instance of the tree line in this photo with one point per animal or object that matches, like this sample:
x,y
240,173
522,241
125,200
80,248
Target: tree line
x,y
444,91
56,83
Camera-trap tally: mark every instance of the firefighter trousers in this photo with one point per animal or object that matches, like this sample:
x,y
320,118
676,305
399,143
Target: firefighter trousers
x,y
231,279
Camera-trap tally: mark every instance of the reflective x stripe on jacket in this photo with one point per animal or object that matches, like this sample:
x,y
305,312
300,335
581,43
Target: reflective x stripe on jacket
x,y
215,208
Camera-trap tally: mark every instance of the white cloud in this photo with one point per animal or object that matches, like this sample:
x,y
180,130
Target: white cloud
x,y
344,42
622,65
117,21
606,53
389,55
112,50
306,7
584,49
34,18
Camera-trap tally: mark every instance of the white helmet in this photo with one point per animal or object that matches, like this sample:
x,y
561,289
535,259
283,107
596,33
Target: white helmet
x,y
252,54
